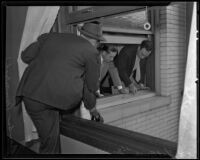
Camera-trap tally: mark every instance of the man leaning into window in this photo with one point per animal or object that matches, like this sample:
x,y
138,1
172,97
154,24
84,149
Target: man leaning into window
x,y
107,54
131,65
63,70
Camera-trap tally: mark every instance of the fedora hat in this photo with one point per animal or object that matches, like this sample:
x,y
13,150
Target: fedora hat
x,y
92,30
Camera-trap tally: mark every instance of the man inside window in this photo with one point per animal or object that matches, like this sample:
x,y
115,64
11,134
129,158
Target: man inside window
x,y
131,65
108,53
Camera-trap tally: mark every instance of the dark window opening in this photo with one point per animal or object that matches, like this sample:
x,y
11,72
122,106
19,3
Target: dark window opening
x,y
107,87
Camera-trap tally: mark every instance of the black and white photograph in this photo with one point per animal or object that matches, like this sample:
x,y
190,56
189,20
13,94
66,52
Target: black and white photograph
x,y
96,79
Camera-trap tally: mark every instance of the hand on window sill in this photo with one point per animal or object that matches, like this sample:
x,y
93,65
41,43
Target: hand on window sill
x,y
123,91
98,94
143,87
133,88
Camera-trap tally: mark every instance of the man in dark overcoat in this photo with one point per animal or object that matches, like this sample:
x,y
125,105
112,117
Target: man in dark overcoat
x,y
131,65
63,70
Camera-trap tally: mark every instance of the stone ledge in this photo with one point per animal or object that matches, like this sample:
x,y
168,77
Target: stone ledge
x,y
119,110
114,100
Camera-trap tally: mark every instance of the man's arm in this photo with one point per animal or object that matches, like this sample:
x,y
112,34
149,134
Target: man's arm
x,y
142,83
143,70
92,73
33,49
30,52
91,86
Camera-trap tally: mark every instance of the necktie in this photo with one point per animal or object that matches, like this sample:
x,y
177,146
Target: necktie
x,y
137,68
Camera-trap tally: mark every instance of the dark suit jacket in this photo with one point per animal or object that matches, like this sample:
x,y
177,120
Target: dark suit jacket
x,y
125,62
63,70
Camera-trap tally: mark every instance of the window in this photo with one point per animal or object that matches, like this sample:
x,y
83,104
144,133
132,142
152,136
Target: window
x,y
122,26
120,30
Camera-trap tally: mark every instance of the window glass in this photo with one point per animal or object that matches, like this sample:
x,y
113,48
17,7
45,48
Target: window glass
x,y
132,21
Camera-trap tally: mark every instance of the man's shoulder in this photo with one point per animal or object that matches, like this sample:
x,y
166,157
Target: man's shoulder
x,y
67,37
129,49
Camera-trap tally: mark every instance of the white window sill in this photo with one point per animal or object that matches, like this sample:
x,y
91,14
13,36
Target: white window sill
x,y
115,108
114,100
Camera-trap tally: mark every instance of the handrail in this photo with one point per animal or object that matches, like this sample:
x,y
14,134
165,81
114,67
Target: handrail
x,y
114,140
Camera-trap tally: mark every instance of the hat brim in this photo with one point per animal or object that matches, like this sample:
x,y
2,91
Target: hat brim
x,y
101,38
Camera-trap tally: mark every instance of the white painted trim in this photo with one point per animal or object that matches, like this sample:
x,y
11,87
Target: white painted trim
x,y
157,51
124,39
122,99
125,30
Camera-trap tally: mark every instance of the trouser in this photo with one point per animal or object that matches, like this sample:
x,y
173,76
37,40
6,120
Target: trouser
x,y
110,67
46,121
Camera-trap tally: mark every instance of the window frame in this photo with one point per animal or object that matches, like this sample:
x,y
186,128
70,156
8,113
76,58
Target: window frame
x,y
86,128
64,26
154,33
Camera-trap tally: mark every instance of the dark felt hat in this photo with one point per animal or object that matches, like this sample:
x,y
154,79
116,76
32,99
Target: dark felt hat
x,y
92,30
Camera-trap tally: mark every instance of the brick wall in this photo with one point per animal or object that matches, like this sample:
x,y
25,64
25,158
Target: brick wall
x,y
173,50
162,122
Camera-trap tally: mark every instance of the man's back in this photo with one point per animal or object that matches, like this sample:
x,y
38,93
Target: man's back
x,y
57,68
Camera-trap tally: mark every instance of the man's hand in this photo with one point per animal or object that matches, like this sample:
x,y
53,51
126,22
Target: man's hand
x,y
98,94
132,88
143,87
95,115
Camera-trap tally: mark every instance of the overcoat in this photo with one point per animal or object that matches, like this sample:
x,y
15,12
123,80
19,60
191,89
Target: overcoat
x,y
125,62
62,70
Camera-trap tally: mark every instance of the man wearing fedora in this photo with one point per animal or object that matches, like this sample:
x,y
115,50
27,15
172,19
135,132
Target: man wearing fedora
x,y
63,70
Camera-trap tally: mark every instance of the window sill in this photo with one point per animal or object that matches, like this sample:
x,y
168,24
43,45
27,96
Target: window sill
x,y
114,100
121,106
